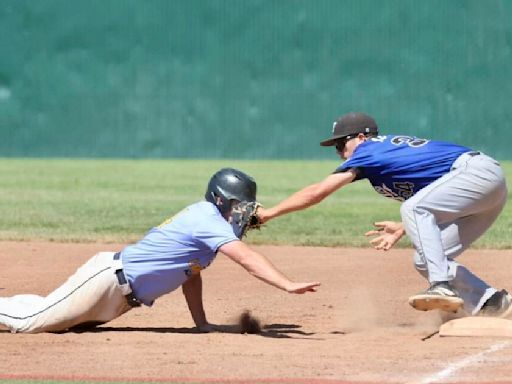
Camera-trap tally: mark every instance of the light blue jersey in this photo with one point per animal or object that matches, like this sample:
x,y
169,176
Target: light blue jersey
x,y
181,246
399,166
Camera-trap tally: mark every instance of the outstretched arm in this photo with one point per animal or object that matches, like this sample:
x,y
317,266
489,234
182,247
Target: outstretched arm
x,y
308,196
259,266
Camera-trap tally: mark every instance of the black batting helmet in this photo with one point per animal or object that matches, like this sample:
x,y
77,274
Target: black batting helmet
x,y
230,184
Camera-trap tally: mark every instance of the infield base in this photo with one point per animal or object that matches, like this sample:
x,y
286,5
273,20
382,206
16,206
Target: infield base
x,y
477,326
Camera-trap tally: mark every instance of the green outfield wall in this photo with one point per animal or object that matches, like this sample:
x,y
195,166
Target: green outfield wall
x,y
248,78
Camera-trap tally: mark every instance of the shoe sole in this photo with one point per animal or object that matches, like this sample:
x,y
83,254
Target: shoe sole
x,y
429,302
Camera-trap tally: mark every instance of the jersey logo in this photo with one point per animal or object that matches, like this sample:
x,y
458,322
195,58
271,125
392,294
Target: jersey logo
x,y
194,267
167,221
401,190
409,140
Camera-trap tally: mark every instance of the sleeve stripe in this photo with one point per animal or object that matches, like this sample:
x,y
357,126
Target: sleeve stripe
x,y
225,242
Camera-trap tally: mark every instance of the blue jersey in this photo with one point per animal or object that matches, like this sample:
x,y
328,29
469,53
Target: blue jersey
x,y
399,166
176,249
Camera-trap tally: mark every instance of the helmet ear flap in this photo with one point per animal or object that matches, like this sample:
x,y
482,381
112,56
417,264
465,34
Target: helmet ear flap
x,y
219,200
223,203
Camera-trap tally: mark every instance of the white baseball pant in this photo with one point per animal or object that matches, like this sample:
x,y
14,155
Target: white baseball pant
x,y
92,295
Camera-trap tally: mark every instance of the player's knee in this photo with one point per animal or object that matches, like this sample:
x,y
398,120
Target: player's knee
x,y
410,210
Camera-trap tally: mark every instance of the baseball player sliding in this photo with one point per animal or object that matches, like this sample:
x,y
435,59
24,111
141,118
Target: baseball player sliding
x,y
451,195
170,255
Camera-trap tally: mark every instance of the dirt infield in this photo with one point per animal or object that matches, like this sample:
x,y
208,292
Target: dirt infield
x,y
357,327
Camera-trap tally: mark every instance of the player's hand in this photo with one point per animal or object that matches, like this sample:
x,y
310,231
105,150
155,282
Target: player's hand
x,y
262,214
207,328
387,232
301,288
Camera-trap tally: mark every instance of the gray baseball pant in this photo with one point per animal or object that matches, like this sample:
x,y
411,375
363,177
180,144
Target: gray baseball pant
x,y
444,218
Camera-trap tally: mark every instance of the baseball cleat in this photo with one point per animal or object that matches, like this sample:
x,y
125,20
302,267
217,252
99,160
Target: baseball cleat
x,y
441,295
498,305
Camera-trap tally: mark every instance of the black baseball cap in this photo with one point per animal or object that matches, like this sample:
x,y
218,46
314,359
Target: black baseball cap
x,y
350,124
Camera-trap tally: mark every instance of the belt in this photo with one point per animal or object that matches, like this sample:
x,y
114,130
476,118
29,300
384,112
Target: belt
x,y
121,278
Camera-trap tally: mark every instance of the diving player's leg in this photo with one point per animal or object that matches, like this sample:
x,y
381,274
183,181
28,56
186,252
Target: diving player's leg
x,y
92,294
13,310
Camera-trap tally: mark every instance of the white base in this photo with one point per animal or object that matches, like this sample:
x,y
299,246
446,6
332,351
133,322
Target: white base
x,y
477,326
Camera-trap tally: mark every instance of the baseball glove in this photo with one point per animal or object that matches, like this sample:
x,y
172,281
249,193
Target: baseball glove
x,y
243,217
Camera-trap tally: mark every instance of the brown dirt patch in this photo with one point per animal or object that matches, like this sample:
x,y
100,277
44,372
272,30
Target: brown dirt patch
x,y
357,327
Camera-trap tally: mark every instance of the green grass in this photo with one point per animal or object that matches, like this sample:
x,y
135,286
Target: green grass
x,y
119,200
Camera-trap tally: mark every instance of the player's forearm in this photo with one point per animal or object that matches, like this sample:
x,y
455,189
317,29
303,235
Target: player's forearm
x,y
302,199
260,267
193,291
310,195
